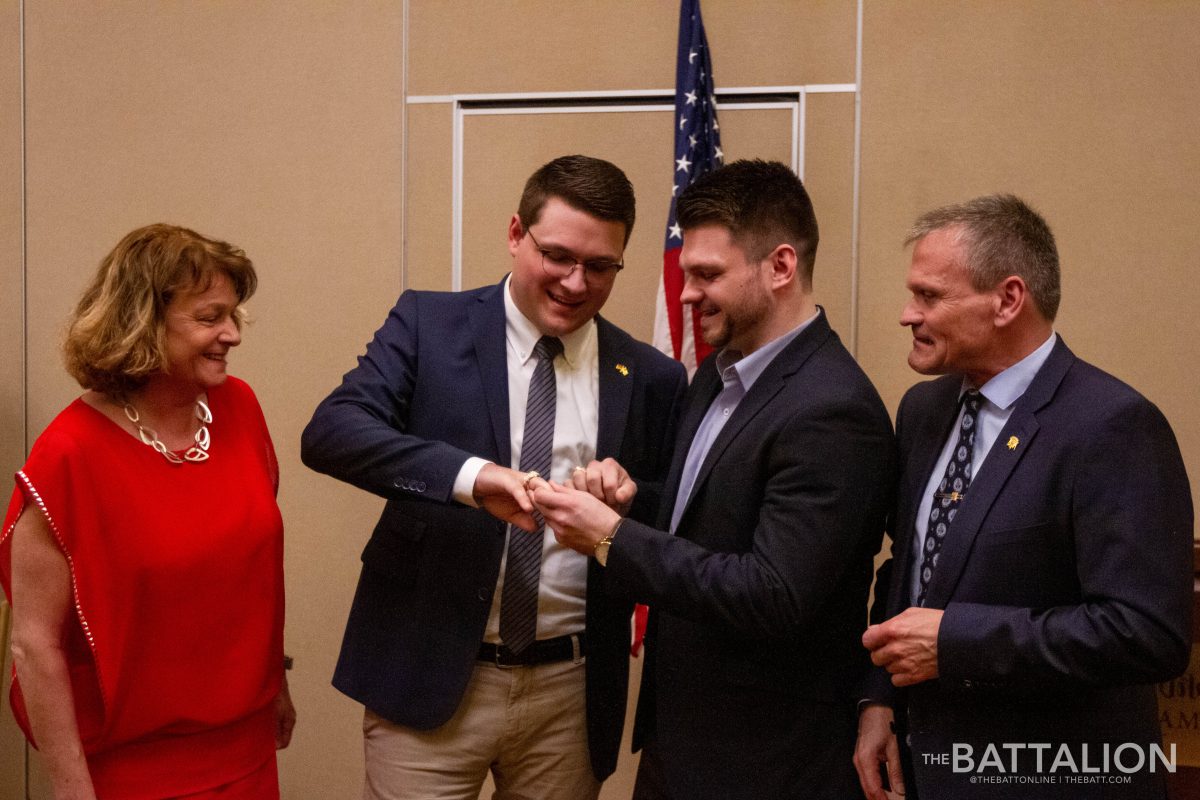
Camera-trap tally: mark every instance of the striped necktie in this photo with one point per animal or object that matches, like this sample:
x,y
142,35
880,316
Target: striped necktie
x,y
518,598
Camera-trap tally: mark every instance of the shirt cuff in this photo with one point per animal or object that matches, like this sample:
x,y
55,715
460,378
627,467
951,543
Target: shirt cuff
x,y
464,484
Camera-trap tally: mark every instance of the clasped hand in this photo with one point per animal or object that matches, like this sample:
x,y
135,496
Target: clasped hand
x,y
581,511
586,508
906,645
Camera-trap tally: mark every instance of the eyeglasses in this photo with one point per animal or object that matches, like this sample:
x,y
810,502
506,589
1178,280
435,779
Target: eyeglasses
x,y
559,263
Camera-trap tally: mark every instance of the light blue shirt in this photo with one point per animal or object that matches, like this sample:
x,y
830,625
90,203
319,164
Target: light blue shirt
x,y
1000,395
738,374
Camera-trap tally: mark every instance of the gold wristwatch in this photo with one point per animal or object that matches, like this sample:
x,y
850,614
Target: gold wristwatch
x,y
600,552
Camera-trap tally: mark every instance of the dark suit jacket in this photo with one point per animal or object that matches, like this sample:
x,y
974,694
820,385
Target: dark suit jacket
x,y
759,602
431,391
1066,580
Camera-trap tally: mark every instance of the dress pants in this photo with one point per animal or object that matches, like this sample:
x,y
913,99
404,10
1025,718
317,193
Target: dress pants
x,y
526,725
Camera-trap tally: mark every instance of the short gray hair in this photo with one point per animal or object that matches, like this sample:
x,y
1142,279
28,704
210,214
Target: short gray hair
x,y
1003,237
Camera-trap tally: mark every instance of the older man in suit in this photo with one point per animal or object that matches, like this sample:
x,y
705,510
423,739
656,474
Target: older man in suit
x,y
757,575
1040,580
477,646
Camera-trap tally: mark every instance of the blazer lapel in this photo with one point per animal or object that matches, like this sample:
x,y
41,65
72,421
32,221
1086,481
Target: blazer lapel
x,y
1006,453
617,370
786,363
486,315
705,387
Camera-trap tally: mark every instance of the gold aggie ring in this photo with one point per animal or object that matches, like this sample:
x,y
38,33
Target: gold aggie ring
x,y
533,473
579,469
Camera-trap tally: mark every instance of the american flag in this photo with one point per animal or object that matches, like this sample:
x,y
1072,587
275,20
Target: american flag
x,y
697,151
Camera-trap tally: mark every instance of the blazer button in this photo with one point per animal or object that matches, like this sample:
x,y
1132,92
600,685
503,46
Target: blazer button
x,y
420,486
483,594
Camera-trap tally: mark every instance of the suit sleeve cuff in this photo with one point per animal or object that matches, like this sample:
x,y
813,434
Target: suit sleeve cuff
x,y
464,484
958,660
876,688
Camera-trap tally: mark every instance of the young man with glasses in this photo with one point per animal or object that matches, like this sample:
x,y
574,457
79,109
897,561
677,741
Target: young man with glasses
x,y
477,645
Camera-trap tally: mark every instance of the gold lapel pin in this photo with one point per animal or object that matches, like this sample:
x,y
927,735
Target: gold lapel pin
x,y
1013,442
624,370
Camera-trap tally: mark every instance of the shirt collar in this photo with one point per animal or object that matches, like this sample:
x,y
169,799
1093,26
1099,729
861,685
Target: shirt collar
x,y
522,334
734,367
1007,387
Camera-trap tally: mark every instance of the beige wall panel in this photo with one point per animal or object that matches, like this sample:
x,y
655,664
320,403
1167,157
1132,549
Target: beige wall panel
x,y
277,126
12,396
829,177
750,133
778,42
12,345
500,152
544,45
540,45
1087,112
430,195
209,129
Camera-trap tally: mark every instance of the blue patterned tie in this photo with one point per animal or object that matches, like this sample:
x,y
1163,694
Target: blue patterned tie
x,y
950,492
518,598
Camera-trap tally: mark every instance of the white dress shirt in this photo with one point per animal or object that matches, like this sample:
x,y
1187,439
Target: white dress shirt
x,y
1000,395
562,590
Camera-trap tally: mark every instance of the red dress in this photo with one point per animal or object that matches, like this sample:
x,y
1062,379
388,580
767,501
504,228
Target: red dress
x,y
176,646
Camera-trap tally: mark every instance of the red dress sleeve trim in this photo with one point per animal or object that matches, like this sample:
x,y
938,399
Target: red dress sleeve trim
x,y
25,494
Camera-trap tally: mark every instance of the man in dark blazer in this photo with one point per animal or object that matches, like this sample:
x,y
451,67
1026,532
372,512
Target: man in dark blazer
x,y
1041,573
757,573
435,416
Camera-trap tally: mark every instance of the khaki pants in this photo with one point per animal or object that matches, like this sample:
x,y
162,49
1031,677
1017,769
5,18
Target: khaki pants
x,y
527,725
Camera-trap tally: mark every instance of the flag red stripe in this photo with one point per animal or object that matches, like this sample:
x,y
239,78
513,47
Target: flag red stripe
x,y
672,286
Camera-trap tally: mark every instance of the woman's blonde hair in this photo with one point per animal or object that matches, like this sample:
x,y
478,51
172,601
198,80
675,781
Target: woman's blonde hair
x,y
116,337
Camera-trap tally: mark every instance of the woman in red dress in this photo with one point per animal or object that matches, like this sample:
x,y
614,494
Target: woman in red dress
x,y
142,552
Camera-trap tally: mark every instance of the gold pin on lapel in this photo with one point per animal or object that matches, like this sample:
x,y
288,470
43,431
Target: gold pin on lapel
x,y
624,370
1013,442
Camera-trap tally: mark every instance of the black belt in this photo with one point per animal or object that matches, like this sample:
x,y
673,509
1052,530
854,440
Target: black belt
x,y
543,651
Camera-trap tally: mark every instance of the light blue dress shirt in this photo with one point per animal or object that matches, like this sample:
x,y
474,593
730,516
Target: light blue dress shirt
x,y
738,374
1000,395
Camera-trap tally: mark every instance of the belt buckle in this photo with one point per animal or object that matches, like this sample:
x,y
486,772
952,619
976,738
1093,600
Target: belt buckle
x,y
496,659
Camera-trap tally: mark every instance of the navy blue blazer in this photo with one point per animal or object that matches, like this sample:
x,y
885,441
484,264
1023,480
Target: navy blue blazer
x,y
758,603
431,391
1066,580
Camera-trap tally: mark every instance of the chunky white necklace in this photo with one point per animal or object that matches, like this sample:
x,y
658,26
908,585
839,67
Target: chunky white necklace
x,y
195,453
